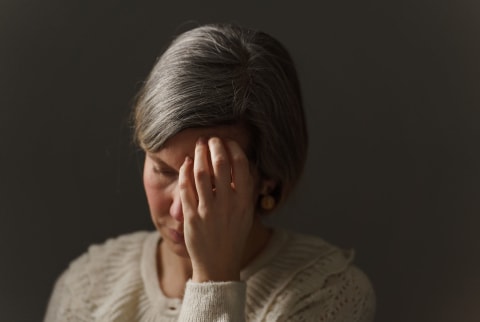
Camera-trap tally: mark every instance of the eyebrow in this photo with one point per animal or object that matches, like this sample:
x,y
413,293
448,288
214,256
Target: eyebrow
x,y
161,162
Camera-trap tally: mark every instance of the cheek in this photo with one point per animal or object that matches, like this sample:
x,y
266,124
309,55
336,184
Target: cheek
x,y
156,196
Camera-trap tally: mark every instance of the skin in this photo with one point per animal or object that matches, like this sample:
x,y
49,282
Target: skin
x,y
202,194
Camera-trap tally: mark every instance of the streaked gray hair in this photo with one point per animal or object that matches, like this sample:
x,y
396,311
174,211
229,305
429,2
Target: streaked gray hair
x,y
222,74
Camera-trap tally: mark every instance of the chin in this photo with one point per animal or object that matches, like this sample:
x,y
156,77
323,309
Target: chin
x,y
178,249
176,246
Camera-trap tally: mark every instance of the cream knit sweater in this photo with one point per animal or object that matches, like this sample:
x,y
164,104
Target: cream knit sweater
x,y
296,278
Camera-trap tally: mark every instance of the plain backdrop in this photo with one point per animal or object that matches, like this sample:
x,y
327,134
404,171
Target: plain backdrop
x,y
391,91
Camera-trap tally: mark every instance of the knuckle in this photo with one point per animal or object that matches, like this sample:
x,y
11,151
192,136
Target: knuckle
x,y
202,173
220,162
202,208
190,218
183,184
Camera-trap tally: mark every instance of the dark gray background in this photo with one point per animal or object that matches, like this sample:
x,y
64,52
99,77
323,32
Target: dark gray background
x,y
391,90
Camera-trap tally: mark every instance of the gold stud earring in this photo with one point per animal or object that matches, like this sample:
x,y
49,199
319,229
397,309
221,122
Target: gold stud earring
x,y
267,202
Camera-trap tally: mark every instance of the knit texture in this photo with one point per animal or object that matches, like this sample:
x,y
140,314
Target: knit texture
x,y
296,278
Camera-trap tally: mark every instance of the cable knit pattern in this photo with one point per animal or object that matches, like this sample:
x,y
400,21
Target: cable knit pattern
x,y
296,278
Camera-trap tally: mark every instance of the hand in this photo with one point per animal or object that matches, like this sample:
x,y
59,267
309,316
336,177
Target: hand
x,y
217,224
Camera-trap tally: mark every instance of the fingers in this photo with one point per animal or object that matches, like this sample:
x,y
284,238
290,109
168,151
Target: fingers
x,y
187,190
240,165
202,174
221,167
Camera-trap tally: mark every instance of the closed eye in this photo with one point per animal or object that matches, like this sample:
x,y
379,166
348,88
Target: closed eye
x,y
168,172
160,167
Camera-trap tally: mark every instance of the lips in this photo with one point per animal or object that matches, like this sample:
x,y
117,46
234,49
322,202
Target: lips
x,y
176,236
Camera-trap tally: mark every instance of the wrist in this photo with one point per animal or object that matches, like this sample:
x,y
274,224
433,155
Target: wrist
x,y
224,275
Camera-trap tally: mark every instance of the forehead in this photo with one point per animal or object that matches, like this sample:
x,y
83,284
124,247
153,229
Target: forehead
x,y
234,132
183,143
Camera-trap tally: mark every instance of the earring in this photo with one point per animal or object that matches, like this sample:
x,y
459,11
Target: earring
x,y
267,202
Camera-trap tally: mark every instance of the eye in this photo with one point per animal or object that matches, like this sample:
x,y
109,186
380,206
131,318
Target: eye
x,y
167,172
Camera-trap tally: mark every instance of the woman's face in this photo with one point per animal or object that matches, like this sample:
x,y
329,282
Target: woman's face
x,y
160,178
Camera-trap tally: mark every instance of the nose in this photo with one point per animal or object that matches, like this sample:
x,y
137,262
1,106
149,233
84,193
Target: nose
x,y
176,210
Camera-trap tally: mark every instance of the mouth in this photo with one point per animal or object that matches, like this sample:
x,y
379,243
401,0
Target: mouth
x,y
176,235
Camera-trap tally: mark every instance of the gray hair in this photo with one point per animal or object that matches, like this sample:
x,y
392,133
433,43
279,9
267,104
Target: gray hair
x,y
224,74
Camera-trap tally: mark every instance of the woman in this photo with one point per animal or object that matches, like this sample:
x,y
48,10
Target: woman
x,y
221,122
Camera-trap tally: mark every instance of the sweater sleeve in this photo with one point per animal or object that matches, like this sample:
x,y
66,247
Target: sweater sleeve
x,y
214,302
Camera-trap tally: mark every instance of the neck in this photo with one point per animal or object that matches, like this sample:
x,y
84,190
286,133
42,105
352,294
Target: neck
x,y
171,264
256,242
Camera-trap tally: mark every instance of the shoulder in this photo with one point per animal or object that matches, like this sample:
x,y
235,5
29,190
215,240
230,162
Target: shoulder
x,y
122,248
318,279
331,284
103,259
92,276
303,253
